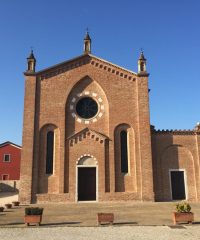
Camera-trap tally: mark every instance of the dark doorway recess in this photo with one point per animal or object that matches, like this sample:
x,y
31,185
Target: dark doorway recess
x,y
177,185
86,184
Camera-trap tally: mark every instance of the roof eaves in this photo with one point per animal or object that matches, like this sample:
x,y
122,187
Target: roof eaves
x,y
60,64
115,65
10,143
81,56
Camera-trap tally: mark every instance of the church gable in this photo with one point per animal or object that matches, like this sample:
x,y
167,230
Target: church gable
x,y
85,58
97,63
87,134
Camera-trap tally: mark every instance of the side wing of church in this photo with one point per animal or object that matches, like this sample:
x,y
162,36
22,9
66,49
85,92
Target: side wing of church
x,y
87,137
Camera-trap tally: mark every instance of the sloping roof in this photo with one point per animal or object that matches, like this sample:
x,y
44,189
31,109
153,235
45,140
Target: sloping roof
x,y
31,56
10,143
114,65
85,130
62,63
87,56
142,56
87,36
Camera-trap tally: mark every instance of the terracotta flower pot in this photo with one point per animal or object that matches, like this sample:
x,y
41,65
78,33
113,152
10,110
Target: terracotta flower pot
x,y
32,219
8,205
105,217
16,203
183,217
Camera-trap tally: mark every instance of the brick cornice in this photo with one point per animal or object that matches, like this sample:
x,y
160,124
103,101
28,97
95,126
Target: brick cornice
x,y
143,74
86,132
175,132
82,60
29,73
113,68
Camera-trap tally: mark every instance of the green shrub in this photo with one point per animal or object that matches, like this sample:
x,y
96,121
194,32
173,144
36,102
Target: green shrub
x,y
33,211
183,207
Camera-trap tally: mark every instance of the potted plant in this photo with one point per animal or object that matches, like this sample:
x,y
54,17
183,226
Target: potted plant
x,y
15,203
183,213
1,209
105,217
8,205
33,215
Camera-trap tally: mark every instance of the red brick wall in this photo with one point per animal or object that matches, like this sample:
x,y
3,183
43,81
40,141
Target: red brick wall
x,y
11,168
48,103
50,99
176,150
29,130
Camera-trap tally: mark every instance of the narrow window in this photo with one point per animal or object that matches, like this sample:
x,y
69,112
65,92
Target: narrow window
x,y
5,177
50,152
124,151
142,66
6,158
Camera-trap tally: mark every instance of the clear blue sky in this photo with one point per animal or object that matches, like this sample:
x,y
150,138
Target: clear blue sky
x,y
168,31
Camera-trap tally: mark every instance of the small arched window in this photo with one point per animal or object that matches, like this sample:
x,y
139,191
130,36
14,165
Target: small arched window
x,y
50,152
142,66
124,151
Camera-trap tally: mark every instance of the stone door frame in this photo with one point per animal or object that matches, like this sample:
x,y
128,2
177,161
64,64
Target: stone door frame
x,y
97,179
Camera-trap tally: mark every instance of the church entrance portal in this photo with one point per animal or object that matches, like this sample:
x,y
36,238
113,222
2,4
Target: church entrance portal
x,y
87,184
178,185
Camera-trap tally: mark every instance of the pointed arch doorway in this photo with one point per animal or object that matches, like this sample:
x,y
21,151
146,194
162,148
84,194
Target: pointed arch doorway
x,y
87,179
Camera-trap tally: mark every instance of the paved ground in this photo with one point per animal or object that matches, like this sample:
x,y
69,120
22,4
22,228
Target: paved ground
x,y
84,214
8,197
101,233
78,221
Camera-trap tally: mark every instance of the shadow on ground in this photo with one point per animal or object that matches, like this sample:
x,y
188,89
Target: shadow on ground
x,y
59,224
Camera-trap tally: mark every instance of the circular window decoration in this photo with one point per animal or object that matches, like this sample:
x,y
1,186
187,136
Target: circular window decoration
x,y
86,107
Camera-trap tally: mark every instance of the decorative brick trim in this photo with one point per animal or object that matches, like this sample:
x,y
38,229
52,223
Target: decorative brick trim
x,y
82,60
112,69
175,132
86,155
94,96
62,68
78,137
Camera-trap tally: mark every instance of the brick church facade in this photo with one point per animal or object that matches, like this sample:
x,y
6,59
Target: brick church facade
x,y
87,137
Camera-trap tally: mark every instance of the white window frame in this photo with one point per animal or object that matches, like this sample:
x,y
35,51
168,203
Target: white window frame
x,y
185,182
5,156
